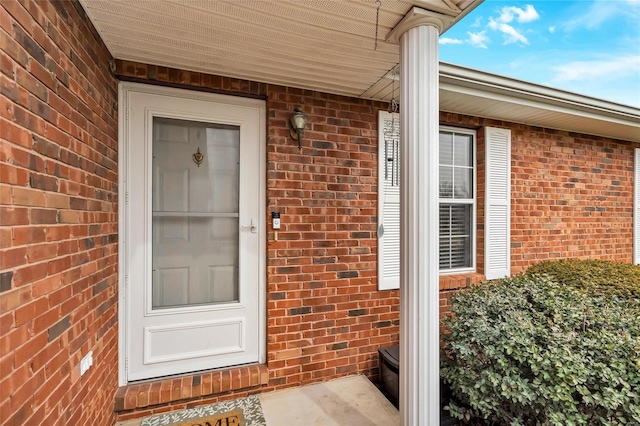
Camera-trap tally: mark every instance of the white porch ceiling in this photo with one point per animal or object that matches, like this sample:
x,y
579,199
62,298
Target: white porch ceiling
x,y
325,45
330,46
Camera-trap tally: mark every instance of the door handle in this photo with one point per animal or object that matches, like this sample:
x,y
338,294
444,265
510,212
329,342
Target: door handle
x,y
253,227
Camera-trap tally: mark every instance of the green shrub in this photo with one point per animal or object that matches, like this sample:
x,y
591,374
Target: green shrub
x,y
600,276
530,351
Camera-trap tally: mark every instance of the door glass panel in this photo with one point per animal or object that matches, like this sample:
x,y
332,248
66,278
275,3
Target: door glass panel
x,y
195,213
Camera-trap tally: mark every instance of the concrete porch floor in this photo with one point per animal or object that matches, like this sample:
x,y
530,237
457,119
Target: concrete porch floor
x,y
350,400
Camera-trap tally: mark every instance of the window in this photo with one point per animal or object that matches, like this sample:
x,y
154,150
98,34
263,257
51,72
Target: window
x,y
457,200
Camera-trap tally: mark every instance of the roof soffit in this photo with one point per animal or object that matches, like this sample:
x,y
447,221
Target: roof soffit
x,y
332,46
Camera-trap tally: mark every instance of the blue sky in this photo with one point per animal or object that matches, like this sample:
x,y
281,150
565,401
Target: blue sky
x,y
590,47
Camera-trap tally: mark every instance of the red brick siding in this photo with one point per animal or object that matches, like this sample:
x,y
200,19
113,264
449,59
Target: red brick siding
x,y
326,317
58,217
480,198
572,197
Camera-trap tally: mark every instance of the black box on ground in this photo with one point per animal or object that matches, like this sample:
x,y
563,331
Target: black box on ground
x,y
390,382
389,363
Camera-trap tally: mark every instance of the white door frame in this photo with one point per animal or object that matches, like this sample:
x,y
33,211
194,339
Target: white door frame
x,y
123,173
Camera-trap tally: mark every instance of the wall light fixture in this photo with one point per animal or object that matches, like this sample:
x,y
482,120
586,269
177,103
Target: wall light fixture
x,y
298,121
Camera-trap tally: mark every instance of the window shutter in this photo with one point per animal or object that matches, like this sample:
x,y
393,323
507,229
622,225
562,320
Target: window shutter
x,y
636,208
388,201
497,262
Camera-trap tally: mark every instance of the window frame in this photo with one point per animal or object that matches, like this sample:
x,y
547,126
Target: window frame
x,y
473,204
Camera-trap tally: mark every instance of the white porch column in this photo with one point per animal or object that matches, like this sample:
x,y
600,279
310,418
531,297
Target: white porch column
x,y
419,287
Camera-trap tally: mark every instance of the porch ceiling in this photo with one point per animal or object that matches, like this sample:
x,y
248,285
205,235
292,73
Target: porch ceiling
x,y
325,45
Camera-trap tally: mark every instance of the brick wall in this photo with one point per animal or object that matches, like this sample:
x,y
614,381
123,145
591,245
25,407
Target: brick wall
x,y
58,217
326,317
572,197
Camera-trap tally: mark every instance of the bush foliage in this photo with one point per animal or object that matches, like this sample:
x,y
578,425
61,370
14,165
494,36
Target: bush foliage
x,y
600,276
530,351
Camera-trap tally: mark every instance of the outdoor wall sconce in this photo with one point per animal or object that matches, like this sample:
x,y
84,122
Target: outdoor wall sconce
x,y
298,121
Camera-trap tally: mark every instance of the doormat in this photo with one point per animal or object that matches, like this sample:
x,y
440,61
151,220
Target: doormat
x,y
239,412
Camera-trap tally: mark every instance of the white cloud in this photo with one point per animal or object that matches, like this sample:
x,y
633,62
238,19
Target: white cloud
x,y
610,77
506,17
479,39
528,14
478,22
601,11
447,40
600,69
511,35
553,29
595,15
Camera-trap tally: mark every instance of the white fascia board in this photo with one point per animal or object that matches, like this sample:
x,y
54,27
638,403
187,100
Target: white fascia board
x,y
528,112
537,103
467,7
492,86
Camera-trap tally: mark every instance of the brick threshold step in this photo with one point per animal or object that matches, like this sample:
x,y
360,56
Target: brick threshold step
x,y
167,391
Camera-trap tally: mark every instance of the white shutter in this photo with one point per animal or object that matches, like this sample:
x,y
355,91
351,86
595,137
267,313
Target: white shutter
x,y
497,262
636,208
388,201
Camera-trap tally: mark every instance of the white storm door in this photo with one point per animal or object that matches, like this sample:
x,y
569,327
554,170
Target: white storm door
x,y
193,232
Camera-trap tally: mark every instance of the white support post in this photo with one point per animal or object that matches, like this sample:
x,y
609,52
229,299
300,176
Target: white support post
x,y
419,283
